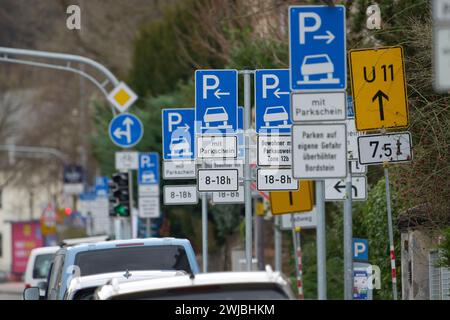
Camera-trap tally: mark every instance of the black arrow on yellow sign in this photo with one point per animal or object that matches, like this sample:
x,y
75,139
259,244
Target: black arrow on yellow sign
x,y
380,95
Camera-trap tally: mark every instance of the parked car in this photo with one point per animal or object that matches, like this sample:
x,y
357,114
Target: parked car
x,y
38,266
215,114
267,285
118,256
315,65
273,114
83,288
180,145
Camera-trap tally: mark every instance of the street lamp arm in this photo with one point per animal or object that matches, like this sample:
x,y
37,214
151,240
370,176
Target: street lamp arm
x,y
22,56
35,150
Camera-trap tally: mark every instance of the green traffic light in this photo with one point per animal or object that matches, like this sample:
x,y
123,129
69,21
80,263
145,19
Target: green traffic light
x,y
121,210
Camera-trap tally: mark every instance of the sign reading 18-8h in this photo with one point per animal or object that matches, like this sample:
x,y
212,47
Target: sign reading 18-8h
x,y
379,88
125,130
317,48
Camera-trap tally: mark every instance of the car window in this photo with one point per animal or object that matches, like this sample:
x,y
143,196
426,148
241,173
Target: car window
x,y
314,60
55,277
165,257
41,266
216,111
213,292
276,110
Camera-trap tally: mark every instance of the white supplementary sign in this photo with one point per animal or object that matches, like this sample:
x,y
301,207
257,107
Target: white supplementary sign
x,y
148,190
305,220
319,151
274,150
378,148
326,106
216,147
275,179
357,168
178,170
335,189
352,140
149,207
225,164
441,45
229,197
127,160
177,195
217,180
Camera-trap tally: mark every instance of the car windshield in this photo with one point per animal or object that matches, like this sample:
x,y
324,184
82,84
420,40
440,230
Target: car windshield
x,y
215,111
166,257
179,140
314,60
275,110
42,265
248,291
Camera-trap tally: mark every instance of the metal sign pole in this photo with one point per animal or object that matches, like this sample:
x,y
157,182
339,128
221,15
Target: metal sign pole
x,y
147,227
348,235
301,295
205,232
321,242
247,178
391,234
298,257
278,240
130,188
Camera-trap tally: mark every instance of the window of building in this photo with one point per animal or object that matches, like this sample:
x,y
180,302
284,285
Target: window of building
x,y
439,279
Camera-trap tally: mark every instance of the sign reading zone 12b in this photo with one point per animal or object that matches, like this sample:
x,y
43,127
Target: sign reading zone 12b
x,y
379,88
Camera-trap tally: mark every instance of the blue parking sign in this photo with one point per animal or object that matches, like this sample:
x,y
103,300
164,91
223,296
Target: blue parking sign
x,y
360,249
178,133
216,101
272,99
148,170
317,48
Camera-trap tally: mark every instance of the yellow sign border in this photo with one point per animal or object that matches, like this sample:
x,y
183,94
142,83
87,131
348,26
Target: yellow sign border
x,y
404,86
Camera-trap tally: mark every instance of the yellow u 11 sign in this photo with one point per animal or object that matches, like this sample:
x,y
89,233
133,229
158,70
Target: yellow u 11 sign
x,y
379,88
302,200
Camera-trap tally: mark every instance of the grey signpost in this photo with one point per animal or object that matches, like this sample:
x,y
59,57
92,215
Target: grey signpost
x,y
348,235
247,173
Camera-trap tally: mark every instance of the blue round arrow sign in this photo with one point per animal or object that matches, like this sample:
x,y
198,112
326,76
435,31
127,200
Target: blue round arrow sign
x,y
125,130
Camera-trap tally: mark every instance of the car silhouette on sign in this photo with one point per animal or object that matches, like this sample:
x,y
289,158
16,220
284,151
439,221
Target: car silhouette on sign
x,y
315,65
277,113
180,145
215,114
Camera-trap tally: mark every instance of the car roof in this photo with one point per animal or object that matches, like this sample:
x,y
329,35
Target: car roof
x,y
128,243
214,278
44,250
95,280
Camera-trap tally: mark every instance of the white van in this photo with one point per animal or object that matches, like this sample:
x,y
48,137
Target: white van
x,y
38,265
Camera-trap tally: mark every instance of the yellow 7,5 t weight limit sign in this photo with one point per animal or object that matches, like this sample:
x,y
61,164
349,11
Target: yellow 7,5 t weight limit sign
x,y
379,88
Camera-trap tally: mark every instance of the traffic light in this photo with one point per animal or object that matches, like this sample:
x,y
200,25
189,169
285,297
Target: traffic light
x,y
119,195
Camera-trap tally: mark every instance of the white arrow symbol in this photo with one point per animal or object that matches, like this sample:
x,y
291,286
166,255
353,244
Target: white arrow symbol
x,y
218,93
185,127
328,36
277,93
127,122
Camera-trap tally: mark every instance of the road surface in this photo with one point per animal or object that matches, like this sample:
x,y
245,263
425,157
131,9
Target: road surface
x,y
11,291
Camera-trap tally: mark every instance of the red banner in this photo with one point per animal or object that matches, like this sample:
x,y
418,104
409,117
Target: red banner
x,y
25,237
